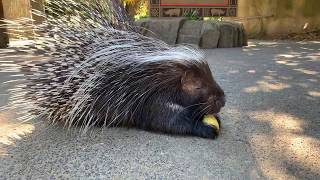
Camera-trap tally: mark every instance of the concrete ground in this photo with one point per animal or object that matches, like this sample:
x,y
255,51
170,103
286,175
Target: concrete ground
x,y
270,128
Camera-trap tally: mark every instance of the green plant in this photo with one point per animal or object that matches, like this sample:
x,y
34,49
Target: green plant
x,y
192,15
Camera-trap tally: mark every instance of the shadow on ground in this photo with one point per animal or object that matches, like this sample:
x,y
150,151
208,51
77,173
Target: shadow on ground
x,y
276,86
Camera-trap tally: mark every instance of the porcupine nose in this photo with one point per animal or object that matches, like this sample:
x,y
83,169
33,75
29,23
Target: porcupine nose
x,y
217,102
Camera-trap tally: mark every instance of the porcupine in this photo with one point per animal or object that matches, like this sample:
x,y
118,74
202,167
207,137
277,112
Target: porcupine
x,y
103,72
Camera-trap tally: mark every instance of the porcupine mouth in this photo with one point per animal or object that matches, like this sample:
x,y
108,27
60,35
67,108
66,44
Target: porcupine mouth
x,y
215,110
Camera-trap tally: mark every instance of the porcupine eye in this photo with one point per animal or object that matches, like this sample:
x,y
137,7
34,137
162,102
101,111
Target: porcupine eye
x,y
194,88
202,91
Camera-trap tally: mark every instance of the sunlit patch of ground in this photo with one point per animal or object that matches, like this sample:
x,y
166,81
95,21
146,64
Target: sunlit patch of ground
x,y
306,71
265,86
287,145
12,130
314,93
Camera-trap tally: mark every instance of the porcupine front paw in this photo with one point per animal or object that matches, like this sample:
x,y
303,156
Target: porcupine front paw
x,y
202,130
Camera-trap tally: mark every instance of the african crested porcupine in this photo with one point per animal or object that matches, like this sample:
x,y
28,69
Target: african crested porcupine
x,y
103,72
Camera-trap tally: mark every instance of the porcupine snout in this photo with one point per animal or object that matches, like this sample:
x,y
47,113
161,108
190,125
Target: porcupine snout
x,y
217,101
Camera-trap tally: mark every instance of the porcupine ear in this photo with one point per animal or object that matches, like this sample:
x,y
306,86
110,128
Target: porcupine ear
x,y
190,83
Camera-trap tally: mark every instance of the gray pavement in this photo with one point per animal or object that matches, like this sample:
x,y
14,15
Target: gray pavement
x,y
270,128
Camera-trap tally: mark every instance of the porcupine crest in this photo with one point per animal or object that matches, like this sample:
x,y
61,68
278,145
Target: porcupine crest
x,y
101,71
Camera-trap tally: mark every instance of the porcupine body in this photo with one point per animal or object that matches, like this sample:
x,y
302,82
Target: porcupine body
x,y
102,72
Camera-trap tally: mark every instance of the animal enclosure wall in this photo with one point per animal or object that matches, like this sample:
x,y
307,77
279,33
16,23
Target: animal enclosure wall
x,y
289,16
203,8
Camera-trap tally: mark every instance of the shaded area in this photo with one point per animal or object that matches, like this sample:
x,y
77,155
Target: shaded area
x,y
275,85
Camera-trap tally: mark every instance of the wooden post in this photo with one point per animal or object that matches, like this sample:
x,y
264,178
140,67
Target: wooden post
x,y
13,9
4,39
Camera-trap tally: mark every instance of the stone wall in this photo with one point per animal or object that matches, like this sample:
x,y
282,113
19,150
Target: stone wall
x,y
289,16
205,34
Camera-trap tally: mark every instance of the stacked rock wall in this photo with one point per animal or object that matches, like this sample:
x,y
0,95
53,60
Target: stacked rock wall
x,y
205,34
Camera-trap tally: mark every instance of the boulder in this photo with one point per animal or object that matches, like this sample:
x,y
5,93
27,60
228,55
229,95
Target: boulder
x,y
232,35
164,29
243,39
190,32
210,35
228,33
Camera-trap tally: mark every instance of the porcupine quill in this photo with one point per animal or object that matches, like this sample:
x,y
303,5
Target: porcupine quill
x,y
102,72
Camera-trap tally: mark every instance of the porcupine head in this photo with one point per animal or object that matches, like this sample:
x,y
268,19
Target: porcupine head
x,y
194,97
182,93
199,88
